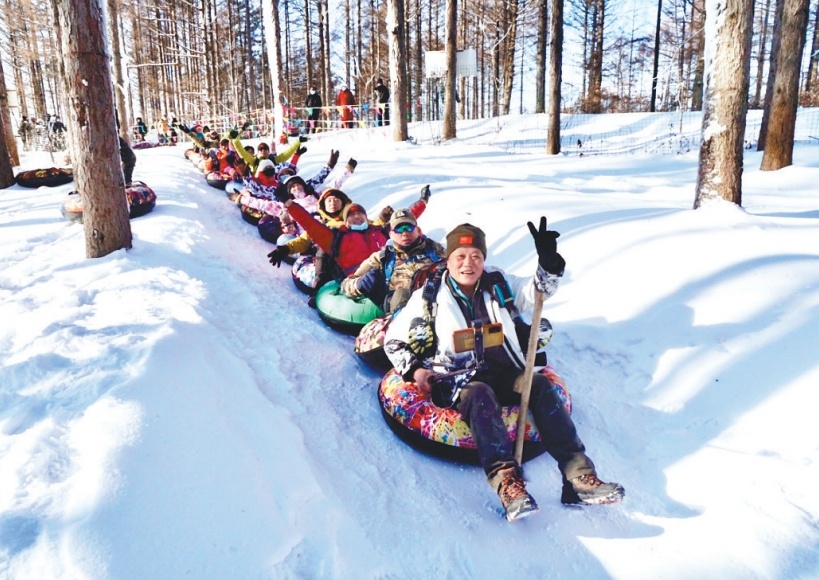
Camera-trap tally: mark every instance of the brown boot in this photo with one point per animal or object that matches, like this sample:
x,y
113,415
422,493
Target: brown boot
x,y
588,489
511,489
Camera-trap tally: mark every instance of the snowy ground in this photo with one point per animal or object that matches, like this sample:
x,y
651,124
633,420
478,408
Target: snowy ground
x,y
177,410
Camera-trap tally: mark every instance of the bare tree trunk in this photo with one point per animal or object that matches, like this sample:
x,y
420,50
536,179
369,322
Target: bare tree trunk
x,y
251,61
308,43
273,36
80,28
419,68
398,69
727,72
555,79
782,121
448,130
656,68
776,39
35,70
760,53
324,49
510,32
8,144
541,56
698,9
596,59
6,163
119,81
813,59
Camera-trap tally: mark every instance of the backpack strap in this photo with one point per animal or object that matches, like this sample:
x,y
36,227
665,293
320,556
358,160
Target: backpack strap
x,y
388,261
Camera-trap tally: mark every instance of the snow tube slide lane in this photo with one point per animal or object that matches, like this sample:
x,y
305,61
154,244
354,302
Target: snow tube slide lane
x,y
343,313
49,177
413,417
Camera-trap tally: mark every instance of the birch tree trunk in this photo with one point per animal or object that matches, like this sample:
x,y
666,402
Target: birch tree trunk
x,y
85,58
727,71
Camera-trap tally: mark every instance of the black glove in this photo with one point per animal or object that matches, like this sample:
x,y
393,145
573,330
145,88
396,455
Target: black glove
x,y
184,127
282,193
333,159
385,214
302,139
301,150
425,193
245,125
233,133
352,163
546,246
277,255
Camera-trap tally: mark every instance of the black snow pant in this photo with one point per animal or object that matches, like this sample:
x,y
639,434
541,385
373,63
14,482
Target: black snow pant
x,y
480,406
128,158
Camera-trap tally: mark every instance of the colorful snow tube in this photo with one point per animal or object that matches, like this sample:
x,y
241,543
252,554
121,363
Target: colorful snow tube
x,y
412,416
345,314
251,215
143,145
304,275
217,179
270,228
72,207
369,343
141,200
49,177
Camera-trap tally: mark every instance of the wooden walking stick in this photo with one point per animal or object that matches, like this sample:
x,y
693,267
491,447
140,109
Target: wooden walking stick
x,y
528,372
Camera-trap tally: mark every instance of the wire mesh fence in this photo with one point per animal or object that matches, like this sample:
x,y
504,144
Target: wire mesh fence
x,y
606,134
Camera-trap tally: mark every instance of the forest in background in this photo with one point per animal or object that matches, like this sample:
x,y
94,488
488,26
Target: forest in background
x,y
207,59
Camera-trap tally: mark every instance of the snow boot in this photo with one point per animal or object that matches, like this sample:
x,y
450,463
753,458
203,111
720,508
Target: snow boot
x,y
588,489
516,501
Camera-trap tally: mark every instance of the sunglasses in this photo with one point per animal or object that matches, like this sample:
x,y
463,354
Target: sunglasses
x,y
404,228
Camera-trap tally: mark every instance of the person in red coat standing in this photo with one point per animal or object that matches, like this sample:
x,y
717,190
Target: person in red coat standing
x,y
346,100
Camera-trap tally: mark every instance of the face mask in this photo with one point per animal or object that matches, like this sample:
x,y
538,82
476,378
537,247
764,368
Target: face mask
x,y
359,227
312,92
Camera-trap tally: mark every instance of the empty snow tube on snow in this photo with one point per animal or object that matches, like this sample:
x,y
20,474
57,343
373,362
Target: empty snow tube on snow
x,y
143,145
217,179
345,314
303,273
141,200
49,177
413,417
369,343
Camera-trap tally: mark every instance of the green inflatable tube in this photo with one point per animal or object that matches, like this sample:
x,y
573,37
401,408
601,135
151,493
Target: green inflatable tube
x,y
348,315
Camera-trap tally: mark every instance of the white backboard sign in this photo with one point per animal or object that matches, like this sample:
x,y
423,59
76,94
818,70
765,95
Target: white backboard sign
x,y
466,63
